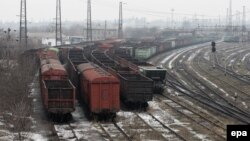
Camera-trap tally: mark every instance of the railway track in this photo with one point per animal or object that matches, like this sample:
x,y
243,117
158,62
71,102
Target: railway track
x,y
113,131
125,128
158,126
206,121
230,68
65,132
176,122
232,56
215,94
186,87
79,128
206,99
246,61
199,111
233,60
147,126
229,86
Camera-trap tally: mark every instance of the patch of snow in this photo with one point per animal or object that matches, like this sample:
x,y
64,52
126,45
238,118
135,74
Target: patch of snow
x,y
191,57
244,57
11,125
83,128
170,65
32,120
189,102
224,91
7,138
124,114
156,125
229,56
184,82
64,132
187,112
176,93
1,122
153,104
207,56
37,137
244,103
177,122
6,135
231,63
167,58
178,52
240,51
169,90
5,131
199,136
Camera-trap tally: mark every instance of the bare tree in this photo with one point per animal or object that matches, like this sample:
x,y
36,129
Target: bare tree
x,y
14,86
20,118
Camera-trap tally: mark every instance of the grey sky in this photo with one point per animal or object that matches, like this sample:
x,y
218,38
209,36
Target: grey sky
x,y
44,10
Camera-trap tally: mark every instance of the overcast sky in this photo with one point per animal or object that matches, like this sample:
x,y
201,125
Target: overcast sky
x,y
75,10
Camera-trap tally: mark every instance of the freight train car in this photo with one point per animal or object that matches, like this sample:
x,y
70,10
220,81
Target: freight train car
x,y
99,57
135,88
49,61
75,57
156,73
58,93
99,89
143,53
50,53
170,44
53,72
58,96
145,50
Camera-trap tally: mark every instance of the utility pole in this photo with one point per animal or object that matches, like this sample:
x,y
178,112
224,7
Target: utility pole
x,y
23,25
89,22
172,18
8,47
244,19
219,21
227,17
230,15
238,21
58,23
105,30
195,21
120,32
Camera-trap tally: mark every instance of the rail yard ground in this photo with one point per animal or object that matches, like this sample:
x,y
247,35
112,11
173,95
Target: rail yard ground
x,y
203,93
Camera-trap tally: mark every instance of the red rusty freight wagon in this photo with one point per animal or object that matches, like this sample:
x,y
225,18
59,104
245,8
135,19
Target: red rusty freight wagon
x,y
53,72
58,96
99,89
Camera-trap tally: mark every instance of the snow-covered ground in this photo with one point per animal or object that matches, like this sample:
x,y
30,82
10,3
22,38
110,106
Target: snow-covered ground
x,y
80,127
174,123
